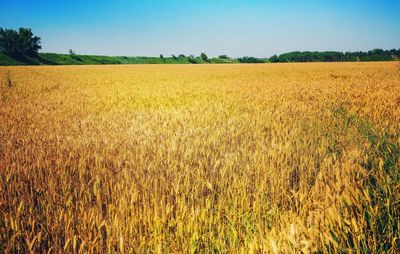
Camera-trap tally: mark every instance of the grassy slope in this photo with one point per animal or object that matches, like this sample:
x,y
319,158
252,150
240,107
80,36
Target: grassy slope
x,y
66,59
6,60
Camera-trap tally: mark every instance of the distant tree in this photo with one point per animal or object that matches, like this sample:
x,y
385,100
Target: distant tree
x,y
73,55
162,56
174,57
250,59
204,57
332,56
274,59
19,43
223,57
192,59
181,56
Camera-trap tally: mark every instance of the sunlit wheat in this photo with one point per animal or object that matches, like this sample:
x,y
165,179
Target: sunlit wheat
x,y
274,158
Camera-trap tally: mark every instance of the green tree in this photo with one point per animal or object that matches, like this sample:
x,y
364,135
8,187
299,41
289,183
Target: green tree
x,y
192,59
19,43
30,43
250,59
332,56
274,59
10,42
204,57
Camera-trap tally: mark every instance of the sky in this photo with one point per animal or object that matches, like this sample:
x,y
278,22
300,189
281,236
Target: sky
x,y
257,28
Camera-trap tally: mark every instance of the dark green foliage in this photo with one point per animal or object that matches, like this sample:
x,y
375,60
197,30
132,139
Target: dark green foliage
x,y
333,56
77,58
74,56
10,42
6,60
74,59
204,57
30,44
45,61
192,59
19,44
274,59
250,59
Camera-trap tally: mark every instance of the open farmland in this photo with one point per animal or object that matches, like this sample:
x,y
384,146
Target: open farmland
x,y
275,158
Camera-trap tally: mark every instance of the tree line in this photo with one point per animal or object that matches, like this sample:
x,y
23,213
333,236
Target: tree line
x,y
334,56
23,43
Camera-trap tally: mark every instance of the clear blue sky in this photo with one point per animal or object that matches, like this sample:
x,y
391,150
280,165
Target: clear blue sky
x,y
235,27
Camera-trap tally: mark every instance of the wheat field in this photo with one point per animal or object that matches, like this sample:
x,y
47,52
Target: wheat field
x,y
269,158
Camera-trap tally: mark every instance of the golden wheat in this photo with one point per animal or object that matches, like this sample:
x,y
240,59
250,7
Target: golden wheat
x,y
282,158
